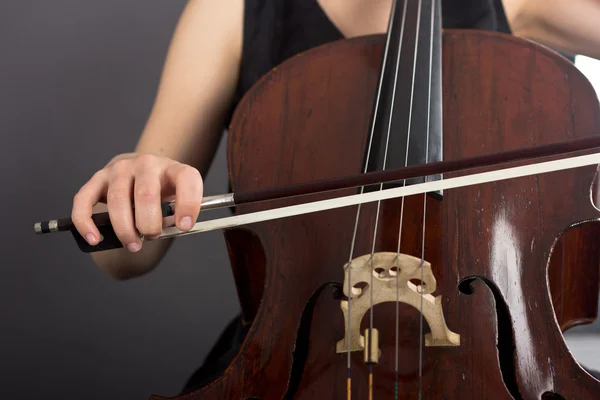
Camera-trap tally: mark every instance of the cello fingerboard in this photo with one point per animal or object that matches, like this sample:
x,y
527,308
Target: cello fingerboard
x,y
407,113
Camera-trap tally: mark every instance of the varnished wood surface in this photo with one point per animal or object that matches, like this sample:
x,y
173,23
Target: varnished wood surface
x,y
489,245
573,280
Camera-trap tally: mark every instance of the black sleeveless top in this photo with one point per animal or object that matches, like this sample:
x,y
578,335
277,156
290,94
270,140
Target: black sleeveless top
x,y
275,30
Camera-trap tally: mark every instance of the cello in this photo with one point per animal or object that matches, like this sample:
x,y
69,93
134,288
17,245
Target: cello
x,y
455,291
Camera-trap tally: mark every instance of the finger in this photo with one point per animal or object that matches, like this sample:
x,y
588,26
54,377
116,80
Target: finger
x,y
188,194
120,211
169,221
147,198
83,202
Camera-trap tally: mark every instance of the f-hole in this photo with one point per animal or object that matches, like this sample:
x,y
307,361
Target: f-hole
x,y
505,336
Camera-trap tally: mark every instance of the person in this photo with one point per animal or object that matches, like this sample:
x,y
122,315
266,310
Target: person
x,y
218,51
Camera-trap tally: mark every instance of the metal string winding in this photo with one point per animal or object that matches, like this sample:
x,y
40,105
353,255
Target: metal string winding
x,y
353,242
396,358
405,164
432,23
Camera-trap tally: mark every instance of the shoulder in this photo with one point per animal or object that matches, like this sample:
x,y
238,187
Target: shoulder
x,y
214,21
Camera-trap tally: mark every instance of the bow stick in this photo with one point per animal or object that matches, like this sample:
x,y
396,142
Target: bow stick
x,y
367,179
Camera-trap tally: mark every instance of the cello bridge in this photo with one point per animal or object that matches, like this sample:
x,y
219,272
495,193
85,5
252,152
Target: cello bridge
x,y
387,269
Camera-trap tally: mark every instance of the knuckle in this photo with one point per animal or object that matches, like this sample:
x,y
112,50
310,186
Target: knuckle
x,y
78,218
78,199
147,192
191,173
121,167
78,212
98,175
118,196
191,180
147,161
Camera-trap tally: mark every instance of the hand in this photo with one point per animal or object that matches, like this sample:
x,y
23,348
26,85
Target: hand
x,y
141,181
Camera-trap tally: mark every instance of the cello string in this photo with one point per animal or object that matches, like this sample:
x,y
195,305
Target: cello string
x,y
388,133
410,113
421,306
497,175
396,361
428,133
353,242
374,241
396,377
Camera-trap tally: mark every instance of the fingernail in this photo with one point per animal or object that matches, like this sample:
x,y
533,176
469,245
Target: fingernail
x,y
134,247
185,223
91,239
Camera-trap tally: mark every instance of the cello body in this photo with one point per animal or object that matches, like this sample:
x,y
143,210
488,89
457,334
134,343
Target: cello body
x,y
515,262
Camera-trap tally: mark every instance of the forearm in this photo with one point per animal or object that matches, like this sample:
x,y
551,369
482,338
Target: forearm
x,y
197,85
571,26
188,116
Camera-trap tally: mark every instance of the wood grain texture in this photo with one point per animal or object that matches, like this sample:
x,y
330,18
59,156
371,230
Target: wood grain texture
x,y
489,245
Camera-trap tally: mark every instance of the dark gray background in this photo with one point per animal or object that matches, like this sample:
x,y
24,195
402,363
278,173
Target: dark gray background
x,y
77,80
